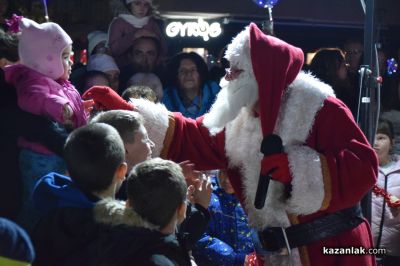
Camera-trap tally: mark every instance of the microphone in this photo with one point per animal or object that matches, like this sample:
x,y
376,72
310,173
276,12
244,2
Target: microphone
x,y
271,144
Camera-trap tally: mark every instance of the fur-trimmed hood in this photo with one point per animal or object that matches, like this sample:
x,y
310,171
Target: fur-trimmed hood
x,y
114,212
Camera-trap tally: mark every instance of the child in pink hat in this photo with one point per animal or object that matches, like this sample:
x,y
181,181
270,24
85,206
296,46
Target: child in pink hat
x,y
42,85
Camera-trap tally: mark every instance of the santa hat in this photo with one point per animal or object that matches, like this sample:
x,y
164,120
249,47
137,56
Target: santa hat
x,y
94,38
101,62
130,1
275,65
40,47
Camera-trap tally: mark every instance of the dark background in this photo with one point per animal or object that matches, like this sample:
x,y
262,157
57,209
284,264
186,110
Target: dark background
x,y
309,24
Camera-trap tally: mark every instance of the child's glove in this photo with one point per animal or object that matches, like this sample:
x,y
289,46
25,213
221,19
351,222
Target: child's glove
x,y
106,98
279,165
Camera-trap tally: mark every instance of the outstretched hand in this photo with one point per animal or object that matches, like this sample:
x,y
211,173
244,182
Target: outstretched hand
x,y
106,98
199,185
192,176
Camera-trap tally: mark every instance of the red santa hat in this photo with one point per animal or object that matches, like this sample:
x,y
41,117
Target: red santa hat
x,y
275,65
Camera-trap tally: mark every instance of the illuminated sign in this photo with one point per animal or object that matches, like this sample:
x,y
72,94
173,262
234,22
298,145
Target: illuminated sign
x,y
199,28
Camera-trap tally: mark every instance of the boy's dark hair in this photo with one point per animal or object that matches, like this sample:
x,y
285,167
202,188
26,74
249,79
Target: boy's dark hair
x,y
155,189
92,154
125,122
385,127
9,46
138,92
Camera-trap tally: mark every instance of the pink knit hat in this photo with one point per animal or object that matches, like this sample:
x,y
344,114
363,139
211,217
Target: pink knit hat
x,y
40,47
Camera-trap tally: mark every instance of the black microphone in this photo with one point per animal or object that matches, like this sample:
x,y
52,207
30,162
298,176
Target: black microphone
x,y
271,144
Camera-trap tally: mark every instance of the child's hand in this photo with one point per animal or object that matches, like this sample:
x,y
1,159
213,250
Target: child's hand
x,y
190,194
88,105
192,176
67,115
202,196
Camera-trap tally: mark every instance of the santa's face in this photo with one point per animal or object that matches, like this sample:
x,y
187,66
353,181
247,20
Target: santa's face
x,y
238,89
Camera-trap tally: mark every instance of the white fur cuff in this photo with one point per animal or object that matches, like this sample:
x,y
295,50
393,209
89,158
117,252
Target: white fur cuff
x,y
155,121
308,183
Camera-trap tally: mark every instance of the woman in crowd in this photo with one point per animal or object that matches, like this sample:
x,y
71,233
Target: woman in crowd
x,y
189,91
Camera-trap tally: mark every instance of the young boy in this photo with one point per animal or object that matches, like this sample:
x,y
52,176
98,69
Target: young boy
x,y
95,159
144,232
139,148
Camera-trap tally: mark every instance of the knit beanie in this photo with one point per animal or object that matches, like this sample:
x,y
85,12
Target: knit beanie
x,y
41,45
15,246
130,1
101,62
94,38
147,79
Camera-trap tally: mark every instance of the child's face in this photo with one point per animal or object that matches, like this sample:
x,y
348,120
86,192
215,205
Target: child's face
x,y
224,183
140,150
66,62
140,8
382,146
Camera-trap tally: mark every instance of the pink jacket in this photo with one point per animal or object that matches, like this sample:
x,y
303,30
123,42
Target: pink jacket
x,y
40,95
121,36
391,226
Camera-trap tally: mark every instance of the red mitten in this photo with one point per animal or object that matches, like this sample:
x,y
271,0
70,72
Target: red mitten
x,y
106,98
278,166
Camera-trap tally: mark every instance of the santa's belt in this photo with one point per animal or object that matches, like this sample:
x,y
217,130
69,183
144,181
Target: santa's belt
x,y
278,238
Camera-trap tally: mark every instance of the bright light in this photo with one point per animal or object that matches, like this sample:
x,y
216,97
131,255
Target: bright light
x,y
200,28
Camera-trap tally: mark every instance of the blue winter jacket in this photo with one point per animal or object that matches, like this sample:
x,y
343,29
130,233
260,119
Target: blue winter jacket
x,y
174,103
228,239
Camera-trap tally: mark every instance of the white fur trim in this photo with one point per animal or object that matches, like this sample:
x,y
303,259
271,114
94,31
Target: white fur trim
x,y
307,184
237,93
301,102
114,212
238,52
155,121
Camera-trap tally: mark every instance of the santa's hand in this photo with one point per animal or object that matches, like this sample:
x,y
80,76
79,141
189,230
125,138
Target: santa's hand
x,y
106,98
277,165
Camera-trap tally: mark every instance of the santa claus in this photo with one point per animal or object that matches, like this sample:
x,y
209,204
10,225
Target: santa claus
x,y
311,211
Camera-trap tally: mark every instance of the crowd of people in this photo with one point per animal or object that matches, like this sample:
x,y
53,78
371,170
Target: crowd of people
x,y
84,184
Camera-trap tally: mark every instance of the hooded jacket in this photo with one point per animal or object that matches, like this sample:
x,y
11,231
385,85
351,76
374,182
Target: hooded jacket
x,y
79,229
390,238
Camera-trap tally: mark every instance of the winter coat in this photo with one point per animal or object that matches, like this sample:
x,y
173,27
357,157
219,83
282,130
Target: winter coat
x,y
389,179
121,37
78,229
174,103
41,95
228,239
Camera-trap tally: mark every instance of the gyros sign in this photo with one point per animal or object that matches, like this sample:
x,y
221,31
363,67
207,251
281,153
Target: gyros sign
x,y
200,28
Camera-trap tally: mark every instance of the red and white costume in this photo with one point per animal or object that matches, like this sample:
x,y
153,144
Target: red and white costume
x,y
330,161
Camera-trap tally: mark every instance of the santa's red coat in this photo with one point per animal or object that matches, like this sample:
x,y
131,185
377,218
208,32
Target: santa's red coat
x,y
332,163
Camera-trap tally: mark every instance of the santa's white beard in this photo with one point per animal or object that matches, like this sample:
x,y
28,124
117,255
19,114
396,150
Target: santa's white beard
x,y
234,95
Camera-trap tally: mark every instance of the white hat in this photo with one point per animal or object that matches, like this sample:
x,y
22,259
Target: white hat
x,y
94,38
101,62
147,79
130,1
